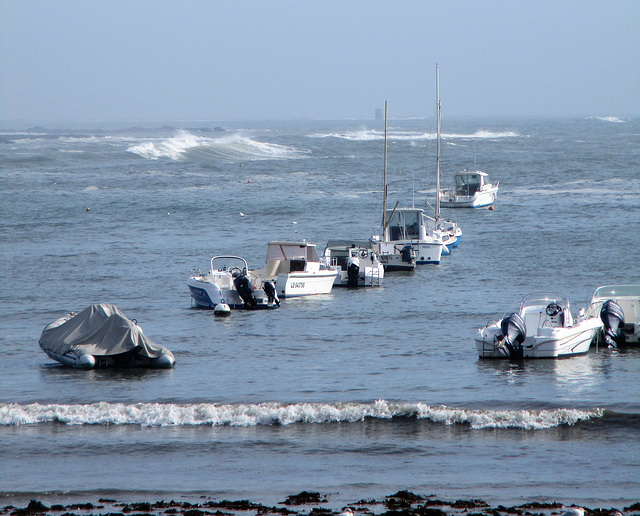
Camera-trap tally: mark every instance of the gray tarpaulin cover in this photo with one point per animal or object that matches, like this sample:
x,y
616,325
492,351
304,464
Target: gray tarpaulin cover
x,y
98,330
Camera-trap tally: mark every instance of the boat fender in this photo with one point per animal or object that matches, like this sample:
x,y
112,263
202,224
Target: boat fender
x,y
222,309
87,361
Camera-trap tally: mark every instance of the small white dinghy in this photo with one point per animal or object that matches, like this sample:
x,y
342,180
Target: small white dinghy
x,y
543,327
102,336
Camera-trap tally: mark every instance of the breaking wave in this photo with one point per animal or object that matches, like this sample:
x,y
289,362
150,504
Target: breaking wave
x,y
245,415
228,148
613,119
374,135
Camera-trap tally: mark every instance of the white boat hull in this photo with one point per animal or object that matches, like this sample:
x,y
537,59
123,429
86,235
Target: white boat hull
x,y
206,294
296,284
478,200
428,252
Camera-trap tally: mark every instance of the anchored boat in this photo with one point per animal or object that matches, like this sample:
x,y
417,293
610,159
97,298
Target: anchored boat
x,y
470,190
357,263
543,327
102,336
229,282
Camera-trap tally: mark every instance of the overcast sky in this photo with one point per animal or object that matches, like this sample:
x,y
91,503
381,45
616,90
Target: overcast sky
x,y
161,60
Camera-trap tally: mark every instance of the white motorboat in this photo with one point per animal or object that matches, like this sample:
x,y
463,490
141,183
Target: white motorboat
x,y
619,308
102,336
296,270
410,227
230,282
543,327
471,189
358,264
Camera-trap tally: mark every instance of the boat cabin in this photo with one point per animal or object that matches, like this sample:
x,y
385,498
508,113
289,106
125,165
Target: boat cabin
x,y
406,224
286,257
468,183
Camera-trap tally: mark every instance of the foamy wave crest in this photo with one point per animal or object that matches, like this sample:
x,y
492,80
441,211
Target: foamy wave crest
x,y
613,119
161,414
482,134
231,148
372,135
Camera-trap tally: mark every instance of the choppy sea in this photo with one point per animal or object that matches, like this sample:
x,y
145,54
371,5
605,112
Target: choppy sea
x,y
355,394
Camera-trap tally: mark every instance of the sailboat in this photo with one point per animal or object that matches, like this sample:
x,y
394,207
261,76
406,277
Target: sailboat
x,y
449,230
407,229
394,255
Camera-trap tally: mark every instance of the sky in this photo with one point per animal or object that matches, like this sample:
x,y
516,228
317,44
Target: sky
x,y
221,60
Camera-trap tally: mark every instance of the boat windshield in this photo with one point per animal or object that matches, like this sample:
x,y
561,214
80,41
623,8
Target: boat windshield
x,y
611,291
227,263
543,300
467,184
404,225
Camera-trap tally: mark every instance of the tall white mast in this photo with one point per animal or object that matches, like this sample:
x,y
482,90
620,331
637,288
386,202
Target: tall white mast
x,y
437,144
384,185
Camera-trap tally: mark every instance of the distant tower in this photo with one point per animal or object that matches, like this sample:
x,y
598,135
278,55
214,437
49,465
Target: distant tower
x,y
378,114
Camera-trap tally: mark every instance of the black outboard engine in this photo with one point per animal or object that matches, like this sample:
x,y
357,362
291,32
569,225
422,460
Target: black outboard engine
x,y
272,295
353,270
406,253
514,332
613,318
245,291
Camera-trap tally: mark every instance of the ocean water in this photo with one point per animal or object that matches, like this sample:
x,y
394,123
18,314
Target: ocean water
x,y
355,394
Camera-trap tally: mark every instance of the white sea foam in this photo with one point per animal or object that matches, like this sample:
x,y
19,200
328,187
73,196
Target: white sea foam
x,y
613,119
374,135
232,147
168,414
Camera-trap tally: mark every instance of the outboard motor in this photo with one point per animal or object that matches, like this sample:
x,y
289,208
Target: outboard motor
x,y
514,332
353,269
245,290
406,253
272,295
613,318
